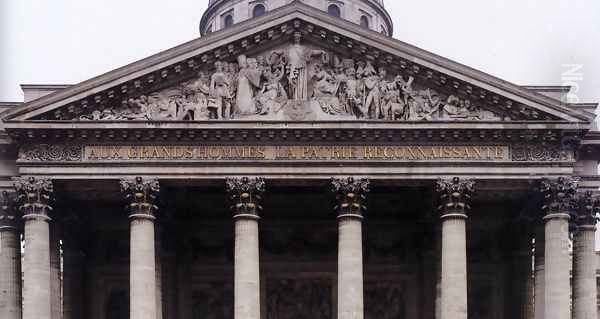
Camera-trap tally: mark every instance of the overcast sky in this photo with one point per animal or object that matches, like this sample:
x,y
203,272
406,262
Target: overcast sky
x,y
522,41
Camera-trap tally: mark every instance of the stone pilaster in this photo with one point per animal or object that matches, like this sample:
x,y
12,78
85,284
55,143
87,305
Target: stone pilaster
x,y
141,196
454,196
350,208
584,258
10,259
34,198
558,196
245,195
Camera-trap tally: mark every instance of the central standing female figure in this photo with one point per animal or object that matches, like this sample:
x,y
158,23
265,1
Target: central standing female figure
x,y
298,57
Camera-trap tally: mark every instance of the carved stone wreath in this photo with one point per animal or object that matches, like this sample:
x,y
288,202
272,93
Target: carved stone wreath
x,y
539,153
51,152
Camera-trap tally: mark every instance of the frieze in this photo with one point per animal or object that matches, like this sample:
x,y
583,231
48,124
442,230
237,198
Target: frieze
x,y
295,82
541,153
51,152
295,152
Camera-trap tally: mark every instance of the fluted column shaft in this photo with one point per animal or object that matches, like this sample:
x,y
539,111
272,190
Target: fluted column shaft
x,y
246,265
36,269
10,259
142,269
454,268
245,194
34,197
141,196
455,195
350,268
584,257
557,269
584,274
10,273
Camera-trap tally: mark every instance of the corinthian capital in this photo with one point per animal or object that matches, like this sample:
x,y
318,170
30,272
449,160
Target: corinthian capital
x,y
141,196
454,195
351,195
558,195
246,195
8,211
587,207
34,196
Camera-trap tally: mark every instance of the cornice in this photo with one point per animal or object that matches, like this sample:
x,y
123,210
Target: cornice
x,y
229,131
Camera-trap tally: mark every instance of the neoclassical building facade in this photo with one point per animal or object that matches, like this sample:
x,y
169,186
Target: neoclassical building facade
x,y
293,162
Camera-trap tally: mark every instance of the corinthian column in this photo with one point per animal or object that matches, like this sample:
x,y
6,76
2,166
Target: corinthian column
x,y
34,197
141,205
350,197
10,260
454,196
558,196
584,258
245,195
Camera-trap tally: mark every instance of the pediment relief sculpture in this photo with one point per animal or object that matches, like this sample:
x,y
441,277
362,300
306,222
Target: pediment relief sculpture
x,y
296,82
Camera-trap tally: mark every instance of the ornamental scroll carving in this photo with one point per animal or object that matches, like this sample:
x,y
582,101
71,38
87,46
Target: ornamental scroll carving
x,y
299,83
51,152
541,153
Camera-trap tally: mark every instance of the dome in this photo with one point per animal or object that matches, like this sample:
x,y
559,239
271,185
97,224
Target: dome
x,y
370,14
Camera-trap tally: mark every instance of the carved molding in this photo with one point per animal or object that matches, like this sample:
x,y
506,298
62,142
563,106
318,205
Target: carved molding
x,y
141,196
350,195
9,218
454,195
558,195
246,195
541,153
34,196
50,152
587,208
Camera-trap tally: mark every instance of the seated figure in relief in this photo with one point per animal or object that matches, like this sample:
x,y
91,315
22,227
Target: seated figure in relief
x,y
195,106
324,91
272,97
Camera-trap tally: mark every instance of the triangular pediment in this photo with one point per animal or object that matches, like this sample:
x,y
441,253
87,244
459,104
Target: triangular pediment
x,y
295,64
